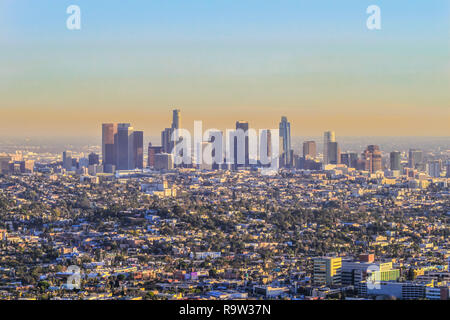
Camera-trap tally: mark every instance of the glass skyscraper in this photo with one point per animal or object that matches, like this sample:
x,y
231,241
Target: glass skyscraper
x,y
285,135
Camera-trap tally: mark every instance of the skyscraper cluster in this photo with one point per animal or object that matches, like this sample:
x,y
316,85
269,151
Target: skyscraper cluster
x,y
213,148
122,147
161,157
372,158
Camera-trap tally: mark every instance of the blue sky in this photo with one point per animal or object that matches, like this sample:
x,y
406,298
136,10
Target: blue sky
x,y
314,61
226,19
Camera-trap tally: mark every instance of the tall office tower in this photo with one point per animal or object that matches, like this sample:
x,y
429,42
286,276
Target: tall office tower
x,y
327,271
93,158
372,158
328,137
166,140
176,119
138,150
434,168
394,158
124,146
285,135
265,148
268,138
353,159
309,149
241,125
166,135
109,130
334,153
345,159
163,161
415,158
152,151
67,160
350,159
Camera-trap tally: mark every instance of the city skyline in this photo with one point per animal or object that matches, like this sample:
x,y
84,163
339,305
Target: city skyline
x,y
193,153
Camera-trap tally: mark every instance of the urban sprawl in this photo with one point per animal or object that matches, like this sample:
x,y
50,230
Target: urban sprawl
x,y
325,225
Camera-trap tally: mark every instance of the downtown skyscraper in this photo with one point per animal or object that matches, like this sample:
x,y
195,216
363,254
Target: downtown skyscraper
x,y
122,147
334,153
167,142
176,119
394,160
286,149
328,136
372,158
309,149
109,130
241,126
415,158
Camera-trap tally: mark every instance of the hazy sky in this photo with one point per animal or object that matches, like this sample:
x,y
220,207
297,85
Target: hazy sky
x,y
221,61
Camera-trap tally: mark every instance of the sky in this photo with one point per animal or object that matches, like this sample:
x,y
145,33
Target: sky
x,y
221,61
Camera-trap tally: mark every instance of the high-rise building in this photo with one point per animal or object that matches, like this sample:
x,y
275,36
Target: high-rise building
x,y
327,271
415,158
166,140
241,125
334,153
67,160
152,151
109,130
434,168
394,159
93,159
353,159
372,158
23,166
328,137
176,119
138,150
265,151
350,159
163,161
285,135
309,149
4,164
27,166
124,147
345,159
